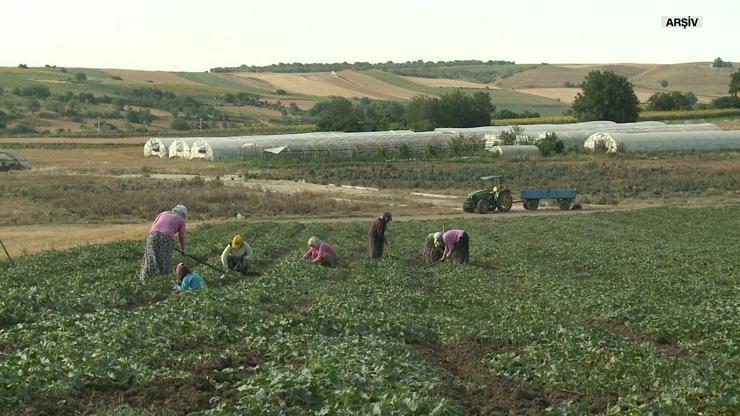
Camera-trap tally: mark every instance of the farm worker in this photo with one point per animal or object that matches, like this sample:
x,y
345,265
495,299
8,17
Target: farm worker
x,y
457,245
433,248
161,241
237,255
376,235
321,253
188,279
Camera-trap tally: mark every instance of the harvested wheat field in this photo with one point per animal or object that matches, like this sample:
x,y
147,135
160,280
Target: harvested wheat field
x,y
156,77
324,84
568,95
699,78
446,83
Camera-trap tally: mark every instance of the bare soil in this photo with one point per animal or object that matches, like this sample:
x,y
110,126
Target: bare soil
x,y
482,392
663,343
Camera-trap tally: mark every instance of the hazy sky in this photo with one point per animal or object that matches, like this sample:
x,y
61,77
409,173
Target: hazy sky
x,y
194,35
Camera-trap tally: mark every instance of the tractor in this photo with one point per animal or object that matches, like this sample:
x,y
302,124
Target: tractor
x,y
497,196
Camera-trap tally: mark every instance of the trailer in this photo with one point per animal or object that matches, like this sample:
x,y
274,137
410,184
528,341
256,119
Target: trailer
x,y
531,197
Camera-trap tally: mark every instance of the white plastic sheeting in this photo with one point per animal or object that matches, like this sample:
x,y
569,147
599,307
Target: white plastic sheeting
x,y
517,151
577,138
684,140
316,144
158,147
180,147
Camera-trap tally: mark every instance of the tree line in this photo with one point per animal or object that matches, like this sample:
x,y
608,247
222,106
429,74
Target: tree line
x,y
423,113
357,66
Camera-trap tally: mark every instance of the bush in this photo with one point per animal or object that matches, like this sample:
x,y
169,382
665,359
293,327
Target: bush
x,y
550,145
116,77
179,124
80,77
37,91
666,101
729,101
281,92
22,66
511,136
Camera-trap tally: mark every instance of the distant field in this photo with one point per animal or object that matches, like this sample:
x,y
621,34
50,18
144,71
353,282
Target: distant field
x,y
155,77
555,76
343,84
699,78
447,83
568,95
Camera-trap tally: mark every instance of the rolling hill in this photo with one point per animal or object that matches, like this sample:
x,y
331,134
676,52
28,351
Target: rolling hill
x,y
277,98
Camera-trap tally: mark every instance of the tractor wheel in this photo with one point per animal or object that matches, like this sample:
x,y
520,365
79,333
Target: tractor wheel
x,y
531,204
504,202
483,206
564,204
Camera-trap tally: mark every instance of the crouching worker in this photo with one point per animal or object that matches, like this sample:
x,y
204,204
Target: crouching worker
x,y
457,245
237,256
190,281
433,248
321,253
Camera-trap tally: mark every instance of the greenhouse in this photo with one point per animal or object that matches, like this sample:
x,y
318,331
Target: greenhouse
x,y
683,140
524,151
157,147
308,145
577,138
180,148
9,161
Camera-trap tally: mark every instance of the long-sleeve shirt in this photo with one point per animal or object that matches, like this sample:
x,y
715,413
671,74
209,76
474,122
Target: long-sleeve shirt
x,y
192,281
244,251
167,222
377,230
316,254
451,238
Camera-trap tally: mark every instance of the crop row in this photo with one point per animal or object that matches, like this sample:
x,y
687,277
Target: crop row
x,y
619,312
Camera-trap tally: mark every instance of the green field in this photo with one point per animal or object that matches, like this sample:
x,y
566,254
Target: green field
x,y
605,313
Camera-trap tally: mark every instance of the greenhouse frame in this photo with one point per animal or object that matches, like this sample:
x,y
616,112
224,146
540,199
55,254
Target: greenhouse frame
x,y
158,147
651,141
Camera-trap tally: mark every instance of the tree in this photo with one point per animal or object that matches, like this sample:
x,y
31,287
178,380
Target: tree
x,y
666,101
337,114
663,83
179,124
719,63
735,83
423,113
80,77
3,120
606,96
692,98
22,66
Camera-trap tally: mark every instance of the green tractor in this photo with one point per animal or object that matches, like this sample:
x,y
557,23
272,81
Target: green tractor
x,y
484,200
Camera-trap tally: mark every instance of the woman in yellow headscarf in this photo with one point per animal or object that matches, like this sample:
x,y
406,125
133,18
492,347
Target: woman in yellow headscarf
x,y
237,255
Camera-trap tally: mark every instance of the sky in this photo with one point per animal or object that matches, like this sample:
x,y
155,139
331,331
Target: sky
x,y
189,35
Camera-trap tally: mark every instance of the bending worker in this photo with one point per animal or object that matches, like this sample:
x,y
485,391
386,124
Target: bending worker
x,y
457,245
161,241
321,253
433,247
237,255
